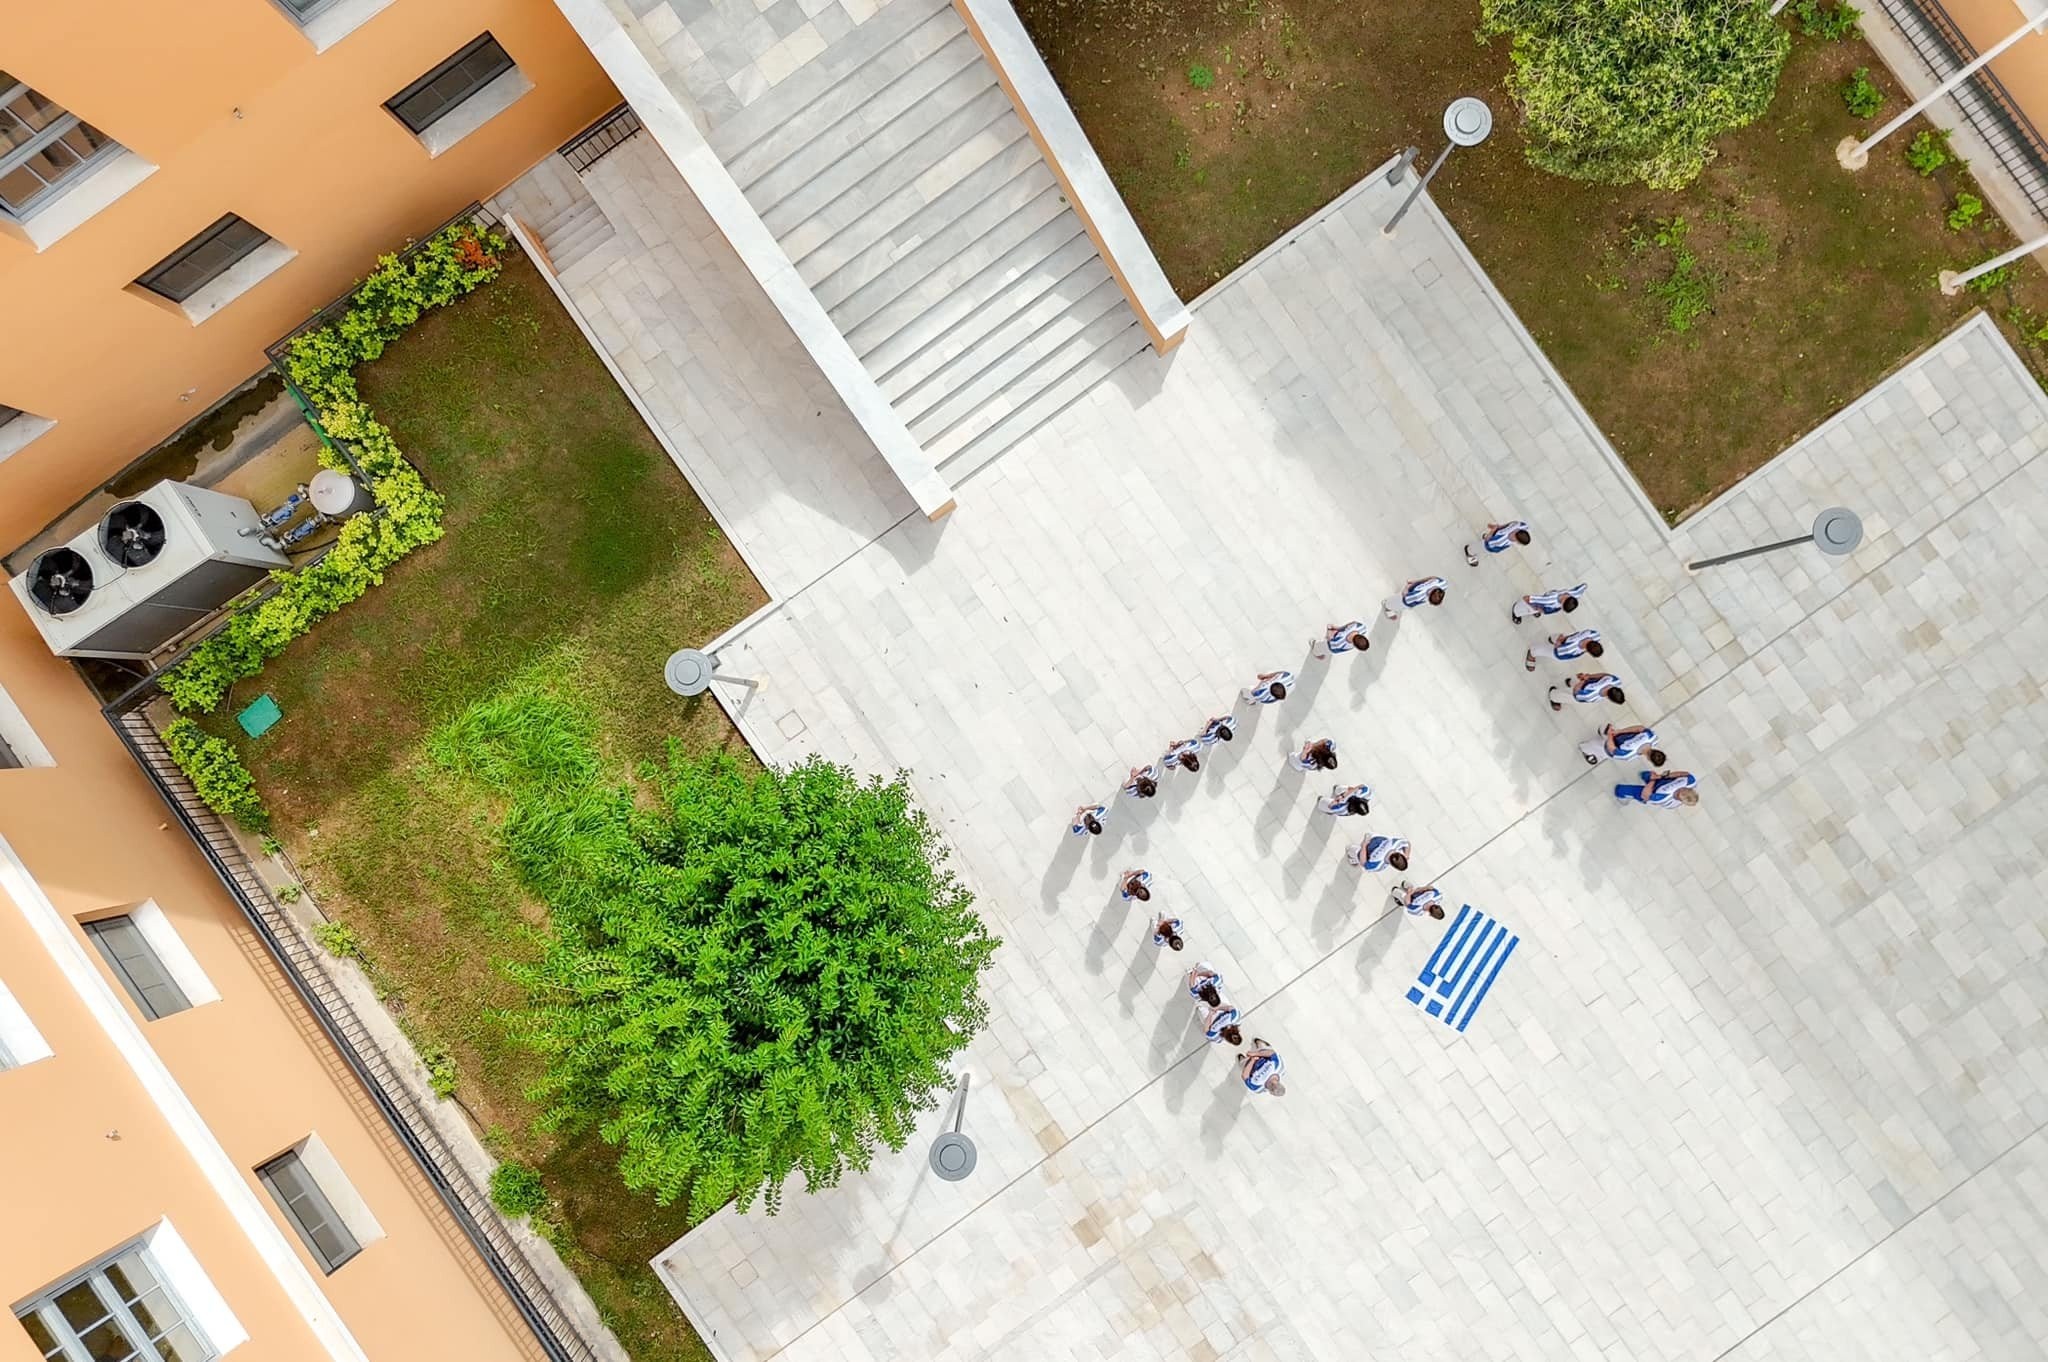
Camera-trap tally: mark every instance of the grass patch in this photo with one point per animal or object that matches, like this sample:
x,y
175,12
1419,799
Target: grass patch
x,y
573,546
1820,281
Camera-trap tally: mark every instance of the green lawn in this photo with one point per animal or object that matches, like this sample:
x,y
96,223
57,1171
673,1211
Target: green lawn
x,y
1817,282
573,546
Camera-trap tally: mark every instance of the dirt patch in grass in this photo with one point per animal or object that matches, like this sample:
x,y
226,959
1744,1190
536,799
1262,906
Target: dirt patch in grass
x,y
1807,284
574,543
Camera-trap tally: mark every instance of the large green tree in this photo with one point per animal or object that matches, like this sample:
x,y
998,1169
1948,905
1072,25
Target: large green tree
x,y
1619,91
748,973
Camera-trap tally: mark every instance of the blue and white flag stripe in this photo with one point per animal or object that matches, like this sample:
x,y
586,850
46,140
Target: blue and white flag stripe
x,y
1461,970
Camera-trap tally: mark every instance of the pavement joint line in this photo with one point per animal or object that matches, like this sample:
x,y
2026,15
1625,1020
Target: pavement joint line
x,y
1869,1249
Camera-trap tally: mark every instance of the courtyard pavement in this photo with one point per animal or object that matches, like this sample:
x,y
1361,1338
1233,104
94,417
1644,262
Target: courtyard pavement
x,y
1762,1080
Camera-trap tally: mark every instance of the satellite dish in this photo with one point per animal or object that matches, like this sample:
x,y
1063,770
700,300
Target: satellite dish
x,y
60,581
132,534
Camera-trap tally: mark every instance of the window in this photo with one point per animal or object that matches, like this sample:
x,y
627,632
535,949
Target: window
x,y
435,95
307,1207
302,10
18,428
43,148
141,971
203,259
8,413
117,1310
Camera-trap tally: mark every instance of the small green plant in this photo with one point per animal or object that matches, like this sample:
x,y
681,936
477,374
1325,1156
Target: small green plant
x,y
271,846
1860,93
1929,151
1964,215
289,893
1183,158
1830,23
517,1191
339,940
1202,77
217,773
439,1063
1991,279
1687,293
2032,325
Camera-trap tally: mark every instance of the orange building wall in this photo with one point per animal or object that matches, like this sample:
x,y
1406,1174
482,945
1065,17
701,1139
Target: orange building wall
x,y
2023,67
95,837
230,101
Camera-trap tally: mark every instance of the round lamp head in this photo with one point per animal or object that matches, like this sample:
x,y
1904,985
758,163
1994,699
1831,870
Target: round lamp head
x,y
688,671
953,1156
1467,121
1837,530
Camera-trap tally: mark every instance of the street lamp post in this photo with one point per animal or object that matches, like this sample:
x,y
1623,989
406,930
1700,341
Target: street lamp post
x,y
1952,281
1853,154
1836,531
1466,123
952,1155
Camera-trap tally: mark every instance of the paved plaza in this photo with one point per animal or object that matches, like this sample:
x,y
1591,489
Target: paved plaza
x,y
1763,1080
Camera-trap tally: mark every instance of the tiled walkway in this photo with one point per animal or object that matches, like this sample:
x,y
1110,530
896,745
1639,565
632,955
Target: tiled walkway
x,y
1764,1080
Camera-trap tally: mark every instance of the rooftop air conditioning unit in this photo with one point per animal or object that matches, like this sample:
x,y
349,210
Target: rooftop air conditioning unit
x,y
154,567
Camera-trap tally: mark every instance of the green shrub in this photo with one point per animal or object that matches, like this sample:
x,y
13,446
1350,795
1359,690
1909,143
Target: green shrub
x,y
1687,293
1861,95
1929,151
1621,91
271,846
1964,215
217,773
322,365
339,940
516,1190
1831,23
289,893
749,976
1201,77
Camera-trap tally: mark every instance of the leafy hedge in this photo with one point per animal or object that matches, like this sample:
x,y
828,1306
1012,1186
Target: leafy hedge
x,y
224,784
322,365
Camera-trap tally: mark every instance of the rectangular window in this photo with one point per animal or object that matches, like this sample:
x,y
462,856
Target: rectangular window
x,y
137,966
435,95
303,10
43,148
203,259
117,1310
309,1210
8,413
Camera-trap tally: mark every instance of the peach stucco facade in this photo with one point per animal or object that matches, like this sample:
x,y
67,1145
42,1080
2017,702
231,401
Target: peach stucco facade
x,y
93,837
2021,68
239,113
128,1125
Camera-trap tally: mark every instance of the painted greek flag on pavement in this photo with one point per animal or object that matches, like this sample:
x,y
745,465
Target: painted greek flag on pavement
x,y
1462,968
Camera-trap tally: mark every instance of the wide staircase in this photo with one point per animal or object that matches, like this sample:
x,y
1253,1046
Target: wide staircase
x,y
897,176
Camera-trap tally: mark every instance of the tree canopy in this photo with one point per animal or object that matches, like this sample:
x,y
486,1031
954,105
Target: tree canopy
x,y
748,973
1619,91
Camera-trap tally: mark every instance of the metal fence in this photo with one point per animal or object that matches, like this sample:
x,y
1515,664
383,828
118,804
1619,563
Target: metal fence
x,y
588,147
468,1207
1984,100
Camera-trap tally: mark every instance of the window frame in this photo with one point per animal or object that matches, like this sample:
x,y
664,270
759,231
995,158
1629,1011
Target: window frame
x,y
12,88
151,279
323,1205
70,1348
96,929
395,105
9,415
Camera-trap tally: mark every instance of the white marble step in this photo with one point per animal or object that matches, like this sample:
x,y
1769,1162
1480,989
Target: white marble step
x,y
1079,365
902,357
942,260
1030,326
996,172
833,85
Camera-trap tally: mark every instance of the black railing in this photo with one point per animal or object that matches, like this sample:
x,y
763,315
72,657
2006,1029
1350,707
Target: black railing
x,y
468,1207
588,147
1983,98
